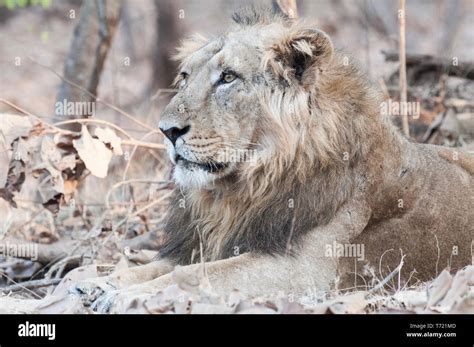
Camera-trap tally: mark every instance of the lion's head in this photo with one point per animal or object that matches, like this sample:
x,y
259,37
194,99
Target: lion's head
x,y
265,127
245,97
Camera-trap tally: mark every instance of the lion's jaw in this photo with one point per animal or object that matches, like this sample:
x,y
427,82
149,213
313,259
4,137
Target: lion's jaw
x,y
194,174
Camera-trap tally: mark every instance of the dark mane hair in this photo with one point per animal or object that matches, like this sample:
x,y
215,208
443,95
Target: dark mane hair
x,y
254,15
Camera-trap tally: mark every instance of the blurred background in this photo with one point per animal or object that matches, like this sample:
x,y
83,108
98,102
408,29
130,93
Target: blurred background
x,y
119,51
138,64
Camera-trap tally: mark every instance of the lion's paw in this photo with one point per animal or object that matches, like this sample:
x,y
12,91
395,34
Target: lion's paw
x,y
92,290
105,302
118,301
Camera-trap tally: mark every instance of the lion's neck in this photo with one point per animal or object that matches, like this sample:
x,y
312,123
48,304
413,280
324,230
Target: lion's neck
x,y
261,216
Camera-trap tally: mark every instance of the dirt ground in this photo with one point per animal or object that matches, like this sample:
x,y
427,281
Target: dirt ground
x,y
109,218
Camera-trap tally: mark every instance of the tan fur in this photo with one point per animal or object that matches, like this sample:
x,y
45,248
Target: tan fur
x,y
321,142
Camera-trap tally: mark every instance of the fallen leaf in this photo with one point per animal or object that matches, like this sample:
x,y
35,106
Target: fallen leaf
x,y
15,178
351,303
67,162
439,287
200,308
94,153
13,126
459,288
108,136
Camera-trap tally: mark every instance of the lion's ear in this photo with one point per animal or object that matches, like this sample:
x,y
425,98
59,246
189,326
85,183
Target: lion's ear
x,y
302,53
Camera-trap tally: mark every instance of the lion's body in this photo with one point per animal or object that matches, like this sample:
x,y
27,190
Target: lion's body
x,y
328,170
432,223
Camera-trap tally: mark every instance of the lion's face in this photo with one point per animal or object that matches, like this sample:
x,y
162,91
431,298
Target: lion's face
x,y
210,123
216,121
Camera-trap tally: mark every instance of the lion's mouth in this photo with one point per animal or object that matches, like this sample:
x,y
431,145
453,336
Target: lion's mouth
x,y
211,167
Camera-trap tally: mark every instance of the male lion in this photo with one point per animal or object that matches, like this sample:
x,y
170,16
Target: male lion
x,y
319,168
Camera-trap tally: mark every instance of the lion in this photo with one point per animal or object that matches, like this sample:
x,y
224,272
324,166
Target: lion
x,y
290,180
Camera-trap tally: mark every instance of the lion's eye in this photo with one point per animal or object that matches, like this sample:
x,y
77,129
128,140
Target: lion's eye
x,y
228,77
183,79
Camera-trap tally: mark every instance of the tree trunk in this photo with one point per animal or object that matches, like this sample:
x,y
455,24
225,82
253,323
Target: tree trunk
x,y
169,31
93,35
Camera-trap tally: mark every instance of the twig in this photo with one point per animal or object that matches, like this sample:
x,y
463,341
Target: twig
x,y
31,285
58,268
11,280
138,212
427,63
439,253
144,208
389,277
163,90
96,98
43,253
384,88
288,7
380,261
119,184
201,255
130,142
403,69
127,167
38,118
137,143
96,121
460,103
16,107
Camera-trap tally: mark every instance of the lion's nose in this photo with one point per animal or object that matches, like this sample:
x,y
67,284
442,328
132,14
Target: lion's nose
x,y
175,133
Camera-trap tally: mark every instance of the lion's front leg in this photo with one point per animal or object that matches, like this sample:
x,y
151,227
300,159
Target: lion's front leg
x,y
252,275
308,271
93,289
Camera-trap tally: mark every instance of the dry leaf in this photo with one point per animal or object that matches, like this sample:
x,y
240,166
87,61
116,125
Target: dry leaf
x,y
412,299
76,275
200,308
13,126
16,176
70,304
67,162
459,288
94,153
352,303
10,305
440,286
108,136
142,256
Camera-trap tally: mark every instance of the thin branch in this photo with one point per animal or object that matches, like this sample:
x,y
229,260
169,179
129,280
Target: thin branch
x,y
96,121
403,69
18,108
137,143
136,213
390,276
119,184
31,285
96,98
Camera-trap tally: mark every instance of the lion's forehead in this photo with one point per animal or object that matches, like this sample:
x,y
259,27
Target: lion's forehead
x,y
239,50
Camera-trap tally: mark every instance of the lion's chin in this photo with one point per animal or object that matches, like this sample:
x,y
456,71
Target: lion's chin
x,y
193,177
